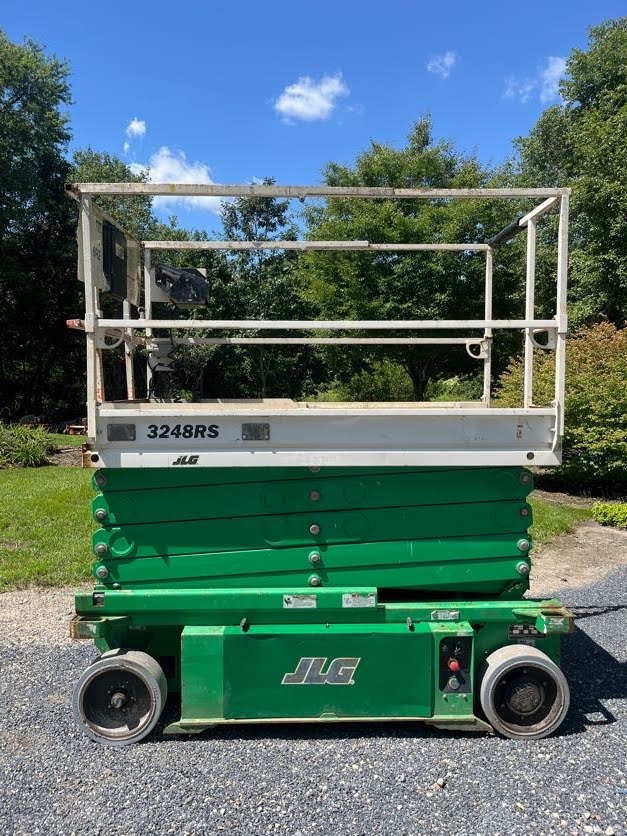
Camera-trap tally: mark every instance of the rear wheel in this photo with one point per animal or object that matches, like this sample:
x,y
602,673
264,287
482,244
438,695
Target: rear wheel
x,y
523,693
119,699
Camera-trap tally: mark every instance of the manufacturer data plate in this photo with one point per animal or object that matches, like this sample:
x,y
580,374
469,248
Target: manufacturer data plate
x,y
444,615
524,631
255,432
356,599
300,602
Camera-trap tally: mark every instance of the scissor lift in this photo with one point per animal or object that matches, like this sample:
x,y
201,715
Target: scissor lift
x,y
247,547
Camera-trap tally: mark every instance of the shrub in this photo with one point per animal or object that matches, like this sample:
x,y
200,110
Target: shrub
x,y
458,388
384,381
610,513
24,446
595,439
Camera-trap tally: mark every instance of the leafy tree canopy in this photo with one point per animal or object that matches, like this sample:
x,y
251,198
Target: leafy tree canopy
x,y
34,91
133,213
401,285
595,440
36,233
583,143
262,285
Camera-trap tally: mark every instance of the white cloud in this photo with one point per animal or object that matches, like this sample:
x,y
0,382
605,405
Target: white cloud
x,y
135,128
442,64
544,84
127,146
519,89
309,100
172,166
550,78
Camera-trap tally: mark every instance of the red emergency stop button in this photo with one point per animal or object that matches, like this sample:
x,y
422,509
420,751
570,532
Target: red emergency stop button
x,y
453,665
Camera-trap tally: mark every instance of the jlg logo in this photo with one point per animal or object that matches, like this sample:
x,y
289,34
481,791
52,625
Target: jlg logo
x,y
309,671
185,460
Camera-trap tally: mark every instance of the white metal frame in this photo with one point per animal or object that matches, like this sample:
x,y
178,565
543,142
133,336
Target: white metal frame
x,y
290,433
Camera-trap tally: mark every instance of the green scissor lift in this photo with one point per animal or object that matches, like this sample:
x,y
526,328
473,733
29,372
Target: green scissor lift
x,y
281,562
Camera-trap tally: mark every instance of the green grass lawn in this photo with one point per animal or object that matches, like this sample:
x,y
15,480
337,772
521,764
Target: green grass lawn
x,y
62,440
46,526
550,520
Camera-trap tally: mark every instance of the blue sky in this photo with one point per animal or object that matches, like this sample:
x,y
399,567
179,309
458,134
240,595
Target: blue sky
x,y
234,91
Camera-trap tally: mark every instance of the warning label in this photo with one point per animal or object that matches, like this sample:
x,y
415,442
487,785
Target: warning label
x,y
300,602
355,599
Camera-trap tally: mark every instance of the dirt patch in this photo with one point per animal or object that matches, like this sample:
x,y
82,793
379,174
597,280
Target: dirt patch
x,y
557,498
67,457
581,557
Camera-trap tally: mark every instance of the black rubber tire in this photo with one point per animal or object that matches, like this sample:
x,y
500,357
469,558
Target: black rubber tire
x,y
523,693
131,677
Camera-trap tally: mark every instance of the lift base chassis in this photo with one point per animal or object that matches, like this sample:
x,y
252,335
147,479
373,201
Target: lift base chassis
x,y
334,595
335,655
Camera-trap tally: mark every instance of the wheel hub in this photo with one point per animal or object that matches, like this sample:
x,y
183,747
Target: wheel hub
x,y
524,697
118,699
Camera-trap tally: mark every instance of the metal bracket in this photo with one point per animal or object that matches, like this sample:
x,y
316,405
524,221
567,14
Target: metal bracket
x,y
484,349
551,340
101,341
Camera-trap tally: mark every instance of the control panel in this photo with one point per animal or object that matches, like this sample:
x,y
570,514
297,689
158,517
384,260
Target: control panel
x,y
455,665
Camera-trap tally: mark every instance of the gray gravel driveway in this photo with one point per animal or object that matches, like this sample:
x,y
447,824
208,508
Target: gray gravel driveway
x,y
353,779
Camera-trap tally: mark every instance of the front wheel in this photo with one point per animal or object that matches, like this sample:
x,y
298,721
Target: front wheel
x,y
523,694
119,699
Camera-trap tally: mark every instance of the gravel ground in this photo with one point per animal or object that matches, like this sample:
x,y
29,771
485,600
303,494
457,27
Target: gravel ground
x,y
355,779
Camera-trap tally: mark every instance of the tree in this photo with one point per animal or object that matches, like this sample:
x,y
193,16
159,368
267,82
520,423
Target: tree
x,y
134,213
38,290
582,143
262,285
595,439
393,285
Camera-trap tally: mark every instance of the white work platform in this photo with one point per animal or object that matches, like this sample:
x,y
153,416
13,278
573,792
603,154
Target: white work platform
x,y
153,432
283,433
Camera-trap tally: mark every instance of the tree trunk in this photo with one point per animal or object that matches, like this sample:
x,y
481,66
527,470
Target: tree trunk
x,y
420,374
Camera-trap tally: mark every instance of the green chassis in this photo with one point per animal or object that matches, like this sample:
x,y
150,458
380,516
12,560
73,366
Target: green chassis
x,y
297,594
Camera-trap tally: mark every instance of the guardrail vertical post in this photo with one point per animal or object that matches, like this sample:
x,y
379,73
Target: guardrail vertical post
x,y
148,315
530,288
90,315
487,334
128,353
561,313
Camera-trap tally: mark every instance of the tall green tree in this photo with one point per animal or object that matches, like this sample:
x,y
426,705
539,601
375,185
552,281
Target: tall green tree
x,y
402,285
582,143
262,284
37,289
134,213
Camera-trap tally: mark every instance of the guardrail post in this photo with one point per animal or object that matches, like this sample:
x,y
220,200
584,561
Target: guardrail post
x,y
530,289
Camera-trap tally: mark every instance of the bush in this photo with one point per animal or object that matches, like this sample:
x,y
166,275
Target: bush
x,y
24,446
384,381
595,440
610,513
458,388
